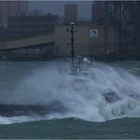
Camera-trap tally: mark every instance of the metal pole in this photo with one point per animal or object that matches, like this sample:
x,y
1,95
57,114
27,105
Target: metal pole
x,y
72,30
72,44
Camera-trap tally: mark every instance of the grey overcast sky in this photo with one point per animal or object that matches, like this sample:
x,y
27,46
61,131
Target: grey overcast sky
x,y
57,7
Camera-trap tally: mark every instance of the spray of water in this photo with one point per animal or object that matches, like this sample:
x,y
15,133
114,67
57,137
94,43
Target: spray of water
x,y
102,93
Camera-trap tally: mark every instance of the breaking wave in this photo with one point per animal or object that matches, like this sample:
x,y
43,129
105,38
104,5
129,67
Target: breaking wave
x,y
99,94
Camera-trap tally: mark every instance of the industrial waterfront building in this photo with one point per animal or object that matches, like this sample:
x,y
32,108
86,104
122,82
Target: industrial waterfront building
x,y
90,40
31,25
111,32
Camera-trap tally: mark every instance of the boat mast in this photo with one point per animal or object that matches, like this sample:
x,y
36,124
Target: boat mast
x,y
71,30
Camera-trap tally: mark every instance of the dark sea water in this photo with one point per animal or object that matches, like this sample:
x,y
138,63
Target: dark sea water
x,y
87,114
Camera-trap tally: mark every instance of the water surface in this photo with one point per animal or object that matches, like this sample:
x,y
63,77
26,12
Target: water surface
x,y
88,113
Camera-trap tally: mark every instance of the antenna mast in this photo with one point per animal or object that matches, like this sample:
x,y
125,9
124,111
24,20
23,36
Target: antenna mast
x,y
72,30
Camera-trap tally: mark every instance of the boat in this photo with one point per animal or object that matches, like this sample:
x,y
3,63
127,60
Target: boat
x,y
10,110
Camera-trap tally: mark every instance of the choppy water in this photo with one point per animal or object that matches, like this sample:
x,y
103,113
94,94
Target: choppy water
x,y
87,115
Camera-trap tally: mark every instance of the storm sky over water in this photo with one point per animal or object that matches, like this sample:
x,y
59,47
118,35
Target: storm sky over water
x,y
57,7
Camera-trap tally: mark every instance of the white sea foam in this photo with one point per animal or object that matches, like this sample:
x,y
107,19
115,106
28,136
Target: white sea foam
x,y
81,93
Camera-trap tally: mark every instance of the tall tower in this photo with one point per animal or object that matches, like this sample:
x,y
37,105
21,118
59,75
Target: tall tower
x,y
15,7
98,12
71,13
3,13
11,8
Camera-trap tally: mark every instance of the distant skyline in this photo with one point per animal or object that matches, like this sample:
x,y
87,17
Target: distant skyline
x,y
57,7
